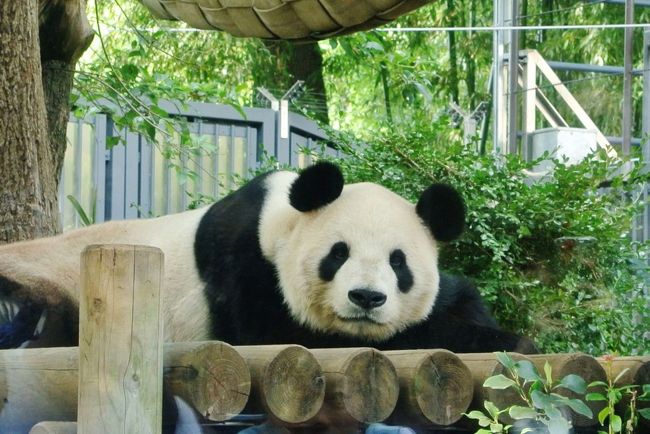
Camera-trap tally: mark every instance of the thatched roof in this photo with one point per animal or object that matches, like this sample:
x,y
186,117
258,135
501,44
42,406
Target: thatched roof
x,y
283,19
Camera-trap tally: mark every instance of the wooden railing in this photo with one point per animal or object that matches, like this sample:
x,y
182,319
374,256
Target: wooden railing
x,y
112,382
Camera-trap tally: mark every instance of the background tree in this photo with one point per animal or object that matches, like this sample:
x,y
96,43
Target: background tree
x,y
40,43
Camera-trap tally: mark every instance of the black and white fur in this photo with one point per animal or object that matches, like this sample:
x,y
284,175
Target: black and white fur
x,y
287,258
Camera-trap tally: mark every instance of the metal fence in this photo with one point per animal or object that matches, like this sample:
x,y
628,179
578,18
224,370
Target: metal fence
x,y
134,179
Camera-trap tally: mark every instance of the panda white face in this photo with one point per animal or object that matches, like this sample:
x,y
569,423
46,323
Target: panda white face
x,y
364,265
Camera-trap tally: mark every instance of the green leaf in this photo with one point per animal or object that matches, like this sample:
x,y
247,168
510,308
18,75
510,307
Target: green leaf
x,y
519,412
527,370
499,382
112,141
595,397
645,412
548,372
85,220
492,409
558,425
496,428
540,399
597,383
480,417
505,359
579,407
574,383
603,415
620,374
129,71
616,423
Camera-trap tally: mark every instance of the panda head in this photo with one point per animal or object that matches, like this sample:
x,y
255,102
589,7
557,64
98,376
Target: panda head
x,y
358,259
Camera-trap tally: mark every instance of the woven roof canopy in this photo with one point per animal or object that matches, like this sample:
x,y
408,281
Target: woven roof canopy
x,y
283,19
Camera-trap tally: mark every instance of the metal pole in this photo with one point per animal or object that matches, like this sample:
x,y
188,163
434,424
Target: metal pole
x,y
645,115
513,71
627,78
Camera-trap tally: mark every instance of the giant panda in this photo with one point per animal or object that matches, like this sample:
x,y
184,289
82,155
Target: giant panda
x,y
287,258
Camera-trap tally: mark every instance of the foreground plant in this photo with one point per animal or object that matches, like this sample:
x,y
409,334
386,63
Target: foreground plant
x,y
614,395
544,406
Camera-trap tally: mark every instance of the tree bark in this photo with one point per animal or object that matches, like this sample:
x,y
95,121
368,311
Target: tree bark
x,y
301,62
31,158
28,205
306,63
65,34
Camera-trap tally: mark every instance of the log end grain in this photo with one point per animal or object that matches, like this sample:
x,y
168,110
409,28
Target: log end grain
x,y
371,386
293,385
213,376
443,388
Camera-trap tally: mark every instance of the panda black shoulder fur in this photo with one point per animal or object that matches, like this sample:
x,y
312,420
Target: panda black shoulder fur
x,y
285,259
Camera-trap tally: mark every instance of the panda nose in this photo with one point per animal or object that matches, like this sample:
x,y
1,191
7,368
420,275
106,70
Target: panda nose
x,y
366,298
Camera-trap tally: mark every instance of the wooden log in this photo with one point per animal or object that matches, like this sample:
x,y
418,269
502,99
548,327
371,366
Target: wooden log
x,y
436,387
41,383
120,340
54,428
37,385
287,382
362,386
211,376
485,365
582,365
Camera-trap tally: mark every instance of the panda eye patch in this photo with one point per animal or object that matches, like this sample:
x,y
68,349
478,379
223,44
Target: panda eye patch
x,y
340,251
397,258
401,269
334,260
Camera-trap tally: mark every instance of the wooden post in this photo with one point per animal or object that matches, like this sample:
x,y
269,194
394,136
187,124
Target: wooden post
x,y
583,365
287,382
436,387
211,376
54,428
40,384
362,386
120,340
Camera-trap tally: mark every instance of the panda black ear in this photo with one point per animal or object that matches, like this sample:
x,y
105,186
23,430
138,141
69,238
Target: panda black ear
x,y
443,210
316,186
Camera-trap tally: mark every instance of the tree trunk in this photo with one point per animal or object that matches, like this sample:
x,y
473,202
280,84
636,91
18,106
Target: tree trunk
x,y
28,202
306,63
453,62
292,62
31,159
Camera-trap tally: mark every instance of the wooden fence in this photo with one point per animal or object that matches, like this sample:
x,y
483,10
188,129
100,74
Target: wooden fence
x,y
112,382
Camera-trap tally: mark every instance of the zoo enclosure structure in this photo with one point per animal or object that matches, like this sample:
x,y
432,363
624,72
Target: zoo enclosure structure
x,y
112,382
134,179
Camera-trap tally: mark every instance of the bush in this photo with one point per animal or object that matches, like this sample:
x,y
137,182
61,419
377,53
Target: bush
x,y
554,260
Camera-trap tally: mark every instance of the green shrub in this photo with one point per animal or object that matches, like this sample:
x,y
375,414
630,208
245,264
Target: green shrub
x,y
554,260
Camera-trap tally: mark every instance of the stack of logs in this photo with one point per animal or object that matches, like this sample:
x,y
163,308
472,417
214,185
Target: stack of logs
x,y
296,387
112,380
